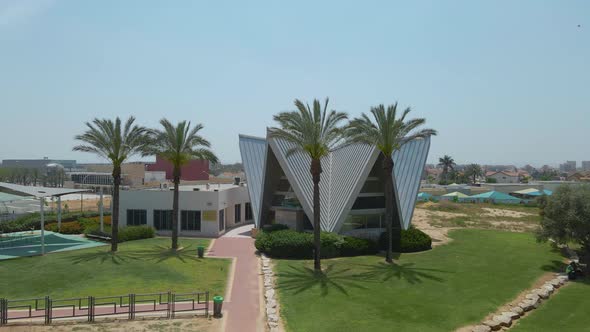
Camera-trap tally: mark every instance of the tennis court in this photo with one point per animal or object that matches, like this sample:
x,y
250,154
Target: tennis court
x,y
28,243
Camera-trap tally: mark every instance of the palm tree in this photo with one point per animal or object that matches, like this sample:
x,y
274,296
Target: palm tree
x,y
315,132
447,163
388,133
473,171
110,140
179,144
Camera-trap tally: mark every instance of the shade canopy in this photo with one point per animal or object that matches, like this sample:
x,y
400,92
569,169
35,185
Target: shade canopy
x,y
455,194
540,193
424,195
526,191
38,192
495,195
5,197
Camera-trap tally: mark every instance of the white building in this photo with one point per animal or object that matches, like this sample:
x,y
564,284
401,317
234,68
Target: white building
x,y
503,176
205,210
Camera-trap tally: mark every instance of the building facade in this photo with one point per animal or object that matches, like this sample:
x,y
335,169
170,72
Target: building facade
x,y
351,187
195,170
504,177
205,210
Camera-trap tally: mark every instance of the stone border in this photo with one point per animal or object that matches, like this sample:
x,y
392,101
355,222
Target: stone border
x,y
271,304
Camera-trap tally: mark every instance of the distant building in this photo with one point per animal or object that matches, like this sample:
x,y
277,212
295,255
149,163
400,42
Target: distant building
x,y
40,164
586,165
133,173
503,176
583,176
195,170
568,166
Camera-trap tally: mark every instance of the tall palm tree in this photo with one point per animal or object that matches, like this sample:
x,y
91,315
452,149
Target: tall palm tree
x,y
447,163
116,143
473,171
314,131
388,133
179,144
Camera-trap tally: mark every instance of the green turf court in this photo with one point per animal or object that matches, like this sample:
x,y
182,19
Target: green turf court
x,y
19,244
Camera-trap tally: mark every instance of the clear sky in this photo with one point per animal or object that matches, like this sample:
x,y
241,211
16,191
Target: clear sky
x,y
502,81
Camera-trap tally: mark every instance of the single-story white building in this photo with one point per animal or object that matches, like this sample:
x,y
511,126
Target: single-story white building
x,y
205,210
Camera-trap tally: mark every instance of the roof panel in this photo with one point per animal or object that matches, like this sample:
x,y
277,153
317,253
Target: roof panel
x,y
253,151
18,189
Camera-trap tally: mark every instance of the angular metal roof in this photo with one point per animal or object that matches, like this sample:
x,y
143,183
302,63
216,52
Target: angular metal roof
x,y
344,171
253,151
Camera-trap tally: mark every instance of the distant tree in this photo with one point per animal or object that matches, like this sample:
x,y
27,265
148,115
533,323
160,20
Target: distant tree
x,y
314,131
388,132
473,171
491,180
116,143
179,144
448,164
566,216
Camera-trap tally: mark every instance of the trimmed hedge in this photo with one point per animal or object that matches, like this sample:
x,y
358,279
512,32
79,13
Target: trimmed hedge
x,y
292,244
413,240
33,221
129,233
274,227
72,227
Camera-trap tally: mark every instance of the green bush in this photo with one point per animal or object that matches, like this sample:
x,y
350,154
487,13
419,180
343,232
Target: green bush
x,y
412,240
131,233
72,227
33,221
293,244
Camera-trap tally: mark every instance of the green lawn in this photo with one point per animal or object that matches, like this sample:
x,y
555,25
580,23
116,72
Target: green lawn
x,y
141,266
566,311
440,290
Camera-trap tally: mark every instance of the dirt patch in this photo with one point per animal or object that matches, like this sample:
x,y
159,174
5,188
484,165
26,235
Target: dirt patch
x,y
139,325
491,212
438,234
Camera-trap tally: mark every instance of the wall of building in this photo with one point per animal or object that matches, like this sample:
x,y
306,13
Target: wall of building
x,y
210,201
504,178
133,173
195,170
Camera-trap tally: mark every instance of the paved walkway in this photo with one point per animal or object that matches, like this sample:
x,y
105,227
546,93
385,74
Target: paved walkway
x,y
242,309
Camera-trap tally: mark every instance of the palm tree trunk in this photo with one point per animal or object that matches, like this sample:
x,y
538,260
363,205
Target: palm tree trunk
x,y
115,216
316,170
389,201
175,208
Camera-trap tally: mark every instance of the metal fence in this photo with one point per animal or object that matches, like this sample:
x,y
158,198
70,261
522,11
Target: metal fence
x,y
91,307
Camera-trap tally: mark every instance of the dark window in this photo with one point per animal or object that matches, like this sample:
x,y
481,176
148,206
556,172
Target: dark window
x,y
163,219
248,211
190,220
136,217
373,202
238,212
221,220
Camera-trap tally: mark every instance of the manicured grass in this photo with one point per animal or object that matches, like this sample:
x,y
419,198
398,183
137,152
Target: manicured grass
x,y
141,266
566,311
439,290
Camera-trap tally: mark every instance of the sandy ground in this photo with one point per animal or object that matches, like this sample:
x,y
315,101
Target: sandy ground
x,y
438,234
505,213
200,324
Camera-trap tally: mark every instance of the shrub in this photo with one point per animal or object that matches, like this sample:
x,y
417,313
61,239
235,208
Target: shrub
x,y
72,227
274,227
33,221
412,240
292,244
131,233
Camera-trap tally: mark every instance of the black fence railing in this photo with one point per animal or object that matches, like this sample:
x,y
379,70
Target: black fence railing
x,y
91,307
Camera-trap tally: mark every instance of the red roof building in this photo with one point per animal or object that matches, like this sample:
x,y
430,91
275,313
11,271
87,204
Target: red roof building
x,y
195,170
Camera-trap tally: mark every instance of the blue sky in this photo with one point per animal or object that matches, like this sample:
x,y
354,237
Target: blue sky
x,y
502,81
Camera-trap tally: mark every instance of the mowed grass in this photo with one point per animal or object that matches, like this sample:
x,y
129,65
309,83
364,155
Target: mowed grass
x,y
565,311
440,290
141,266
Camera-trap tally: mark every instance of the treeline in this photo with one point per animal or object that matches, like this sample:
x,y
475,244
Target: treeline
x,y
33,176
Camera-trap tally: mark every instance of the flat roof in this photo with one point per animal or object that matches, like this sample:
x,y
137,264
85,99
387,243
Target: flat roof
x,y
203,187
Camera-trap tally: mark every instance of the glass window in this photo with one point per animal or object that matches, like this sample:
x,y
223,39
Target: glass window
x,y
136,217
221,220
238,212
163,219
190,220
249,211
371,202
363,221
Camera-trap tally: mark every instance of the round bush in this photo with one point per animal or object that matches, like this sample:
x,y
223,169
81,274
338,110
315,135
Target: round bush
x,y
274,227
412,240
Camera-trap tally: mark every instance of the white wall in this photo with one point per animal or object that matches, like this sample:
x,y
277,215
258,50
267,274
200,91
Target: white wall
x,y
151,200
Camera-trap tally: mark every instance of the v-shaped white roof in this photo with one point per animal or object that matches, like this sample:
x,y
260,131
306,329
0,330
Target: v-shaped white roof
x,y
344,171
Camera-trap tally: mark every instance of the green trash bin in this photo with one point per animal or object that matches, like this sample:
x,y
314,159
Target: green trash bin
x,y
200,251
217,304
